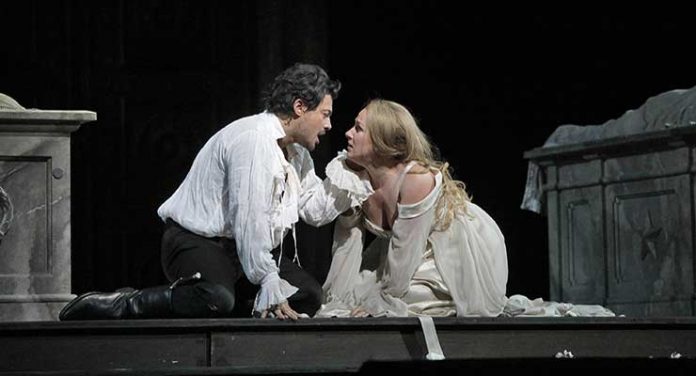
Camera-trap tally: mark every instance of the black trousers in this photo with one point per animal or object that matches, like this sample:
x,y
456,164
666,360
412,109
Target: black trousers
x,y
185,253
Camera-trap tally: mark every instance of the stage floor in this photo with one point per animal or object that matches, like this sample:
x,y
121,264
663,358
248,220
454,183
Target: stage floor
x,y
343,346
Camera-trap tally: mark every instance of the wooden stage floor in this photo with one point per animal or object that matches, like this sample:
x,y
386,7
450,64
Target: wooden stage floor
x,y
345,346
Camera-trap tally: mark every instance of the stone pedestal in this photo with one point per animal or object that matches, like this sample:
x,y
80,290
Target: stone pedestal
x,y
621,221
35,211
620,198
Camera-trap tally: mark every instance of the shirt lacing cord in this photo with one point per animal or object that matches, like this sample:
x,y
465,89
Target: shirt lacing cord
x,y
296,258
293,184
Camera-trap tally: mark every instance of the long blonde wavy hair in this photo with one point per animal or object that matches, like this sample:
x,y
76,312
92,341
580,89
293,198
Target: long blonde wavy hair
x,y
395,134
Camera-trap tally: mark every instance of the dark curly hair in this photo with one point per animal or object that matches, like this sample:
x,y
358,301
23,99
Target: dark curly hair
x,y
307,82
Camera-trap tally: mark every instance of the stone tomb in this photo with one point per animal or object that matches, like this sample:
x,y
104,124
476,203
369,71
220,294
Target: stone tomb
x,y
35,210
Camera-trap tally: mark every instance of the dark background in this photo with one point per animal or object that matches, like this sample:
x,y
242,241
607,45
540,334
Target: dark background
x,y
163,76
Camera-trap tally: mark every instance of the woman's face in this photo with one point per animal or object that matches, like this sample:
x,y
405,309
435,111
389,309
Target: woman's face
x,y
359,148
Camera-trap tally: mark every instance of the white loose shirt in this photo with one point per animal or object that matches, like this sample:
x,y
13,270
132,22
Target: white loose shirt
x,y
240,186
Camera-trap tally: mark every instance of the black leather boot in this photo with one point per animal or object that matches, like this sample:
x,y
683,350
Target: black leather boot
x,y
152,302
194,298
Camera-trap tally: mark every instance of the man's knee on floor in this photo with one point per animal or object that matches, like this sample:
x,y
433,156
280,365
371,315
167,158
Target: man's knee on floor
x,y
312,298
203,299
219,298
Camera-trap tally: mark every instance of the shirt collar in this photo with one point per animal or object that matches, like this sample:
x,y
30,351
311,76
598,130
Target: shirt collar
x,y
276,130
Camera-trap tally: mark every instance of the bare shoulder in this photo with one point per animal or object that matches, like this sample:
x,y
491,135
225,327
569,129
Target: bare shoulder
x,y
418,183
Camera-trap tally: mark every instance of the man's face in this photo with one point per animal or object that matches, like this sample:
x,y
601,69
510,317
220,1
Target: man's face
x,y
315,123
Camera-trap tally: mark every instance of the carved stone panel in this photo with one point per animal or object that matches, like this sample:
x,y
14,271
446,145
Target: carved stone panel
x,y
25,186
581,238
649,249
661,163
579,174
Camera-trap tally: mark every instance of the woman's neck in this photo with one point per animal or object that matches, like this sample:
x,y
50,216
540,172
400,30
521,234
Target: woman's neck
x,y
382,175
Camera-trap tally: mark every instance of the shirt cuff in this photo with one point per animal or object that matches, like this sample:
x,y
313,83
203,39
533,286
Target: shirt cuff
x,y
274,290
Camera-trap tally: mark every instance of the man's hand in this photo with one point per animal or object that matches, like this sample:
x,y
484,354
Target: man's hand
x,y
282,311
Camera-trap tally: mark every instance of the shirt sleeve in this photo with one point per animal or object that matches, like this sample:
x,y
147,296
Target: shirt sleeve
x,y
322,201
346,254
250,197
406,249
